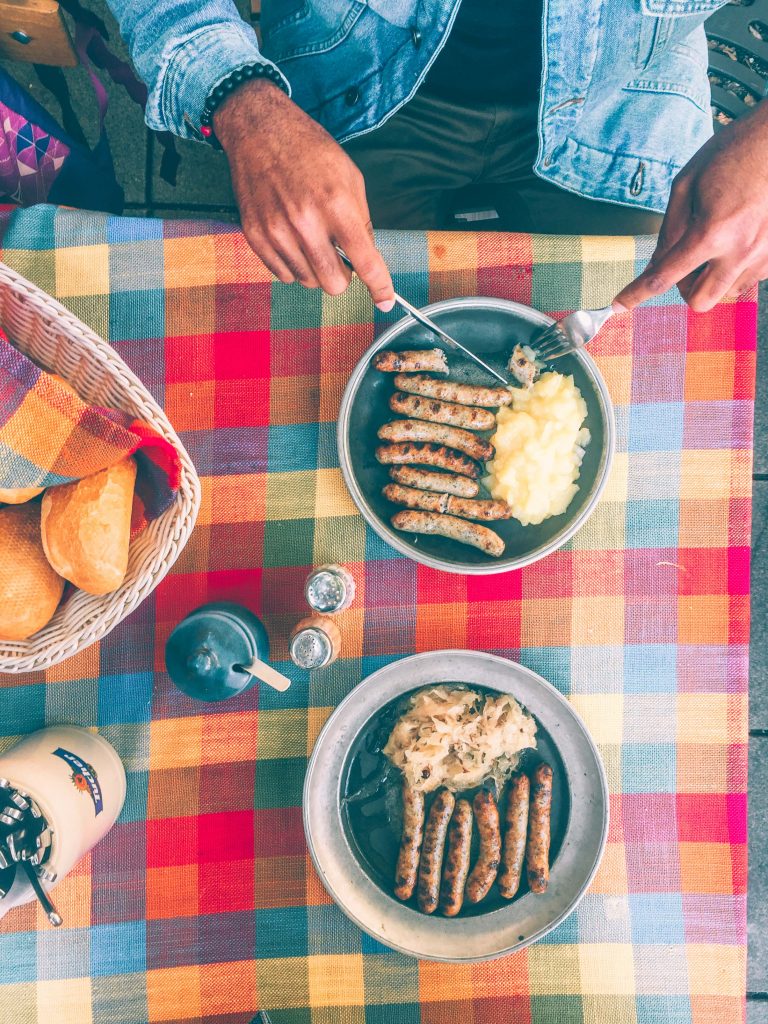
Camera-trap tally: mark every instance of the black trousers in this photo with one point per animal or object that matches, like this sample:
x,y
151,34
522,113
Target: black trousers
x,y
419,159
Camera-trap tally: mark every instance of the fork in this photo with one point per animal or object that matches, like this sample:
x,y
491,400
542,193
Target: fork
x,y
572,332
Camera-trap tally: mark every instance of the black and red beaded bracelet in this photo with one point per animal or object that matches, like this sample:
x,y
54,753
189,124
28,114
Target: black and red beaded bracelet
x,y
226,87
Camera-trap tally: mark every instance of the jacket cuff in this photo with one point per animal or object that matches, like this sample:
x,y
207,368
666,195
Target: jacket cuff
x,y
194,69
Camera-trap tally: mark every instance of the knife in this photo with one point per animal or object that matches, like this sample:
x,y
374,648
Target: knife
x,y
425,321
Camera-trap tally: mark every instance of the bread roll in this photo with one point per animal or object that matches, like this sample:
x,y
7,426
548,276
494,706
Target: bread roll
x,y
18,495
30,590
86,528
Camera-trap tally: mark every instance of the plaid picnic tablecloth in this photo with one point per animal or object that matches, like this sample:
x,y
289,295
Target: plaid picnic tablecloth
x,y
202,905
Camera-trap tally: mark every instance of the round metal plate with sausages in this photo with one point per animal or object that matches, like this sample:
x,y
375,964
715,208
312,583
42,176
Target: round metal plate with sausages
x,y
454,469
455,806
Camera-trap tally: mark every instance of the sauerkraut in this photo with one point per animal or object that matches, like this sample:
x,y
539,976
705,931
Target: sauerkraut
x,y
456,737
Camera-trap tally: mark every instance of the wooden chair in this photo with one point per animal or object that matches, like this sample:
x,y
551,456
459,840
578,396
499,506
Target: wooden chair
x,y
34,31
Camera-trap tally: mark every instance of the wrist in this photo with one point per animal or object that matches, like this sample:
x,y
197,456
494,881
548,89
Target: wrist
x,y
233,83
235,111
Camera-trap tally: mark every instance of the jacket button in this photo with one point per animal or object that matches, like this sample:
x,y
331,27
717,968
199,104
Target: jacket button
x,y
416,36
351,96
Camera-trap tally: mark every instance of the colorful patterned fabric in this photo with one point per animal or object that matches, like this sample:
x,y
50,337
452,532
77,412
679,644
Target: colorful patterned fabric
x,y
30,159
40,161
202,905
49,436
31,152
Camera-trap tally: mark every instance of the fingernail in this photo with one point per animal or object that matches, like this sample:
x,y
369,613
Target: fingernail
x,y
386,306
617,307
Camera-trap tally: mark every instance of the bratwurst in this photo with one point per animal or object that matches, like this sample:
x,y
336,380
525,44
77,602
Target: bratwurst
x,y
513,850
429,501
537,848
455,415
410,360
427,455
407,869
456,859
448,526
450,391
438,433
427,480
428,890
487,865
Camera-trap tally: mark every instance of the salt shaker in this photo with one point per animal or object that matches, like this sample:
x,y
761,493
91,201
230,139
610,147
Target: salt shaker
x,y
315,642
329,589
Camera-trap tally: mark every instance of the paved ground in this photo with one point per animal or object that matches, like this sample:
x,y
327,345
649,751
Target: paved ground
x,y
203,190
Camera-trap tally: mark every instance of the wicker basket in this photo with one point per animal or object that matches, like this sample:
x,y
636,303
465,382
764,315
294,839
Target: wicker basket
x,y
46,332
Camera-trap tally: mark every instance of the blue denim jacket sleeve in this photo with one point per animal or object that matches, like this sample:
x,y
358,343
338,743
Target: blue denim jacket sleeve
x,y
182,49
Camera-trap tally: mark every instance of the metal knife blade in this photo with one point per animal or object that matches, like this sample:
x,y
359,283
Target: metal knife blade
x,y
425,321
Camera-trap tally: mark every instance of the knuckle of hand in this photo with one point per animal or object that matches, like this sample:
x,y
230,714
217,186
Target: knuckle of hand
x,y
680,183
700,303
303,221
338,200
356,176
335,286
657,283
718,281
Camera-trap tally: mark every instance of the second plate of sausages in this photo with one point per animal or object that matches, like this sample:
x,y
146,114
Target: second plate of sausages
x,y
455,806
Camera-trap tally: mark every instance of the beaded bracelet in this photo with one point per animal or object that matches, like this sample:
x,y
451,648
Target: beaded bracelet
x,y
226,87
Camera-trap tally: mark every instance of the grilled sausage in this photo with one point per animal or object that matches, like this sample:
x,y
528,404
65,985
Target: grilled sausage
x,y
455,415
537,847
428,455
456,865
484,872
513,848
407,869
450,391
466,508
428,889
410,361
438,433
429,501
445,483
448,526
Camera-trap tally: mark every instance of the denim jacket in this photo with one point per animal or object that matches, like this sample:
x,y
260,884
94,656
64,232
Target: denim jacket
x,y
624,90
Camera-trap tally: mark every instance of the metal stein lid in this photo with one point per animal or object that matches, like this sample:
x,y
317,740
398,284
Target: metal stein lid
x,y
311,648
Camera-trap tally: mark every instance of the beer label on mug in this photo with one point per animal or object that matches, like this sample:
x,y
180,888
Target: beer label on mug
x,y
83,777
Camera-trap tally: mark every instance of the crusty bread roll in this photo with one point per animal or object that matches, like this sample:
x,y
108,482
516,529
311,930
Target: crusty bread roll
x,y
18,495
30,590
86,528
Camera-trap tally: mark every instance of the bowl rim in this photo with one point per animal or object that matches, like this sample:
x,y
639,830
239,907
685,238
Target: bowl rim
x,y
350,886
388,534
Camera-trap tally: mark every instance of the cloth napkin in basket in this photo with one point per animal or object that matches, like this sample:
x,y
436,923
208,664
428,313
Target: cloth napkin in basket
x,y
49,436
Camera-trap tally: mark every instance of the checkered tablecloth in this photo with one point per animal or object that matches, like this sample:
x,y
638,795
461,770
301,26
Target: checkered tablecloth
x,y
202,905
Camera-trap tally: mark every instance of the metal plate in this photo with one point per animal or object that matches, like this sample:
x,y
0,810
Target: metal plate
x,y
465,939
491,327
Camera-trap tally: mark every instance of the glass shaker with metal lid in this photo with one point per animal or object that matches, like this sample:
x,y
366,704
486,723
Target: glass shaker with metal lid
x,y
329,589
315,642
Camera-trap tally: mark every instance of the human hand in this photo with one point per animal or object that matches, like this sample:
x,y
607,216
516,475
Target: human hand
x,y
298,193
714,238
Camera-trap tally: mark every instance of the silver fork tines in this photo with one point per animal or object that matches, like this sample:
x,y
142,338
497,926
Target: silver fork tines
x,y
572,332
